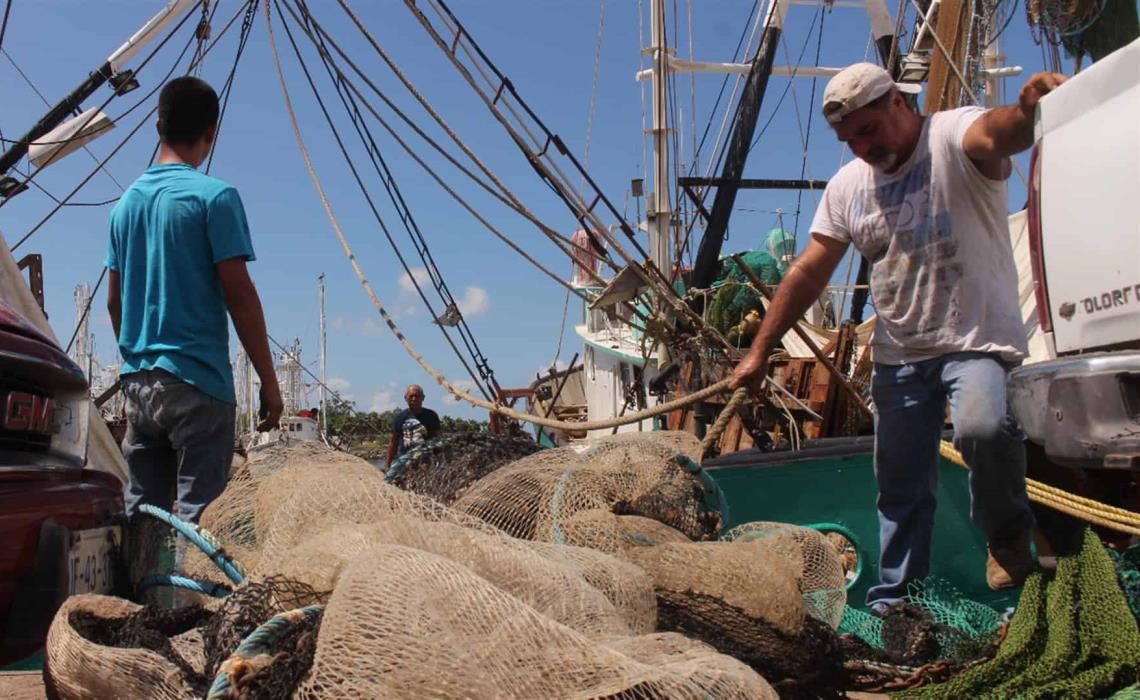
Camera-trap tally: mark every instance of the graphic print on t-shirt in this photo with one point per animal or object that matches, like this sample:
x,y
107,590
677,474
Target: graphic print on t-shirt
x,y
915,267
413,433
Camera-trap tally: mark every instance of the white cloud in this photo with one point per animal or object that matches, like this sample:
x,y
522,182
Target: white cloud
x,y
339,384
421,276
366,326
385,399
475,302
463,384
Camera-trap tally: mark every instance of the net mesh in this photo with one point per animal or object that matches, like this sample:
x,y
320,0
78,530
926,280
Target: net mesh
x,y
443,468
1072,636
823,578
598,576
632,474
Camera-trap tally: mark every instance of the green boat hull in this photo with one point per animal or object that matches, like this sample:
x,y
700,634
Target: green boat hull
x,y
836,484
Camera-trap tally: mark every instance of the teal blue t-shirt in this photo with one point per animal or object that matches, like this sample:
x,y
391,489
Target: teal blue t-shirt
x,y
168,232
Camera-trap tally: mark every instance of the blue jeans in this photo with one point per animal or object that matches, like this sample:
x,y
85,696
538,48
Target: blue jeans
x,y
179,444
910,405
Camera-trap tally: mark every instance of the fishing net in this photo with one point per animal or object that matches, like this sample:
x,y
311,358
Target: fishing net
x,y
1072,636
549,583
823,581
444,467
102,647
632,474
1128,574
455,635
745,598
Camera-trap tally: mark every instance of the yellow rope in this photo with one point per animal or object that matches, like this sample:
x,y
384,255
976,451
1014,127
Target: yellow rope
x,y
1077,506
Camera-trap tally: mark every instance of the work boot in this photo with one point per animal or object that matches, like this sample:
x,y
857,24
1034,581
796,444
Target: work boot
x,y
1009,562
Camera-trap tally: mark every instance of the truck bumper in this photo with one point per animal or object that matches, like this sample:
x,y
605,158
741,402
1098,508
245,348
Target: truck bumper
x,y
1084,411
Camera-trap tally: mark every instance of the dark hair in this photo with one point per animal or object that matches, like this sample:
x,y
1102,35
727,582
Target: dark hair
x,y
881,101
187,109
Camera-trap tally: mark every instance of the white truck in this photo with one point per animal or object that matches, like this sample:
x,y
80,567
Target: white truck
x,y
1081,403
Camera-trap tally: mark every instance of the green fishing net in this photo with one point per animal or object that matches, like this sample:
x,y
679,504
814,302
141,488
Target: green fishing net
x,y
1072,636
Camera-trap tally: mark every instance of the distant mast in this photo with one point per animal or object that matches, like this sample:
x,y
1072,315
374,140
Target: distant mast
x,y
323,424
659,217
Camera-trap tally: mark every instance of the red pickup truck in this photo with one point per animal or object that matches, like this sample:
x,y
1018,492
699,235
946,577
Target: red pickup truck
x,y
60,523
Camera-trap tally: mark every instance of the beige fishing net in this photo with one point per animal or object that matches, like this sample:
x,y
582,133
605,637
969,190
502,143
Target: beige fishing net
x,y
455,635
629,474
568,573
823,579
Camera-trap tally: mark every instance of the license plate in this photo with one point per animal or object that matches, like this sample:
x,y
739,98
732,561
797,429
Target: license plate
x,y
91,560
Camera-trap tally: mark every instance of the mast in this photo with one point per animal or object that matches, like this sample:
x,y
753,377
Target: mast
x,y
747,112
111,70
323,425
660,214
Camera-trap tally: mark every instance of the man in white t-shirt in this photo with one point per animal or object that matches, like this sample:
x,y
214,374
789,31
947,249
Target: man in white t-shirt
x,y
926,204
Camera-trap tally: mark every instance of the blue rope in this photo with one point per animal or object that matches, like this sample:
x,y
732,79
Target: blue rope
x,y
712,489
214,590
853,539
202,539
260,641
400,464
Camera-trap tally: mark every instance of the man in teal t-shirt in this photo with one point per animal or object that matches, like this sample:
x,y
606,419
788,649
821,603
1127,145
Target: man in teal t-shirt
x,y
177,261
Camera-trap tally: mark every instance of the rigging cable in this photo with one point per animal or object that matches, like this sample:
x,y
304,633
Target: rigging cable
x,y
117,148
45,101
547,169
435,374
646,272
107,158
485,378
504,194
243,38
807,138
106,102
555,237
91,175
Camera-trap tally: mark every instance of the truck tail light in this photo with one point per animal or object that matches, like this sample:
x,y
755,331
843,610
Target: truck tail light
x,y
1036,256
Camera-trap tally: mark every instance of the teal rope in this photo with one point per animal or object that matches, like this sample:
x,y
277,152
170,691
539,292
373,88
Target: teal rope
x,y
712,491
853,539
202,539
261,641
214,590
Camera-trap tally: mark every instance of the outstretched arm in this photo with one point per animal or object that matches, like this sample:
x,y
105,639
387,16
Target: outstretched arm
x,y
1004,131
800,288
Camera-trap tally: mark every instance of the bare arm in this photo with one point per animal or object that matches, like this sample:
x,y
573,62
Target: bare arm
x,y
115,301
392,439
799,289
1004,131
245,309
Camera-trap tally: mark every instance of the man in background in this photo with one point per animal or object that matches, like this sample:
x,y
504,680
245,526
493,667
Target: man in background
x,y
412,426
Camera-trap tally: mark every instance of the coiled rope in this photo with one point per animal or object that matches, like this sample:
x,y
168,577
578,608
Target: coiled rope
x,y
1086,509
261,642
202,539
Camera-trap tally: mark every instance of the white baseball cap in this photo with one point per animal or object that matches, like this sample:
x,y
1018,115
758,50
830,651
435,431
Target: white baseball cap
x,y
856,86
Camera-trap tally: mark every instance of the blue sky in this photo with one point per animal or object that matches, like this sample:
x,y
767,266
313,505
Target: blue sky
x,y
547,49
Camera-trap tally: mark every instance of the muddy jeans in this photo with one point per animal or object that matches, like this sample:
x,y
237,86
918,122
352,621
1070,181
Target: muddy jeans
x,y
179,444
909,411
